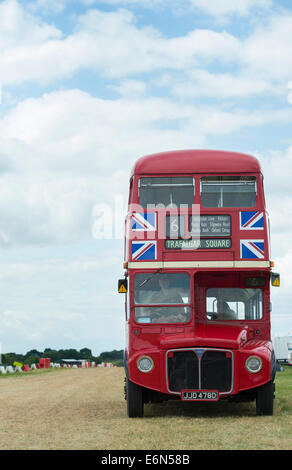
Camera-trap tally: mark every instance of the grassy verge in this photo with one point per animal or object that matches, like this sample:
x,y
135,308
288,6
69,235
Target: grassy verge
x,y
31,372
284,390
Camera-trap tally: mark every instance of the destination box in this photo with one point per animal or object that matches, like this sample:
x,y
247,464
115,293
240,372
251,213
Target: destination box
x,y
203,243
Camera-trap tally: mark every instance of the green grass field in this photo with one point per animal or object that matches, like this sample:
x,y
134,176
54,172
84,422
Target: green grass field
x,y
284,390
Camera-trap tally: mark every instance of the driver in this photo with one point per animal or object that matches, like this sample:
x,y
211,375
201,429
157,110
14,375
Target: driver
x,y
168,296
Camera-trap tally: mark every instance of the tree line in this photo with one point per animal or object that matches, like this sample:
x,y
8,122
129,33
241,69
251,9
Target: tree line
x,y
33,356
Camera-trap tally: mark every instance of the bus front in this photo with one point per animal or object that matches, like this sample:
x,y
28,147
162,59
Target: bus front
x,y
198,271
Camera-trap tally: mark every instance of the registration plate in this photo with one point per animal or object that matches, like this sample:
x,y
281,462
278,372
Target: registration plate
x,y
200,395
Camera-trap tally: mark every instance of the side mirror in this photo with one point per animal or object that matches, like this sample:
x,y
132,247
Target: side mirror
x,y
123,286
275,279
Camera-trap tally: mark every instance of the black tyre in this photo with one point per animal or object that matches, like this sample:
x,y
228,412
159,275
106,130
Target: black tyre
x,y
265,399
135,402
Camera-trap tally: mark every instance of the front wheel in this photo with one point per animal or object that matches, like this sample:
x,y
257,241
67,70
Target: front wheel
x,y
265,399
135,402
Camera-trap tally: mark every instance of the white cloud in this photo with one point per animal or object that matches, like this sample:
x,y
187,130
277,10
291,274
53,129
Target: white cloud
x,y
130,88
19,27
63,153
41,210
217,8
73,131
61,301
223,8
277,163
109,43
152,4
277,169
55,6
267,51
121,47
114,45
66,151
201,83
281,297
289,97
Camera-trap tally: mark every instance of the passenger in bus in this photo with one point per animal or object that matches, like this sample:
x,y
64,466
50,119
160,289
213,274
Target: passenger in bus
x,y
225,312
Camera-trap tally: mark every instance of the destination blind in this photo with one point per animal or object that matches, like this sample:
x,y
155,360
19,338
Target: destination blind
x,y
211,225
199,225
197,244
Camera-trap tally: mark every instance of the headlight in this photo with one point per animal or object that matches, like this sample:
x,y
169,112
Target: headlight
x,y
253,364
145,364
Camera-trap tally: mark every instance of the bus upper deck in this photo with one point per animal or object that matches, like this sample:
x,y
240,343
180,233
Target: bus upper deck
x,y
200,206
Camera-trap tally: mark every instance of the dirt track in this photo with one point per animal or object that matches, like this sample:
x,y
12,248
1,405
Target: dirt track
x,y
85,409
61,409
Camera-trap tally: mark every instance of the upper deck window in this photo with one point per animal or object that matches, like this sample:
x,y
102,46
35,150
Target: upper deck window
x,y
228,191
167,191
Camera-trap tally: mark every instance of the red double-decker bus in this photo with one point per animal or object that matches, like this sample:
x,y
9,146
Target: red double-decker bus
x,y
197,277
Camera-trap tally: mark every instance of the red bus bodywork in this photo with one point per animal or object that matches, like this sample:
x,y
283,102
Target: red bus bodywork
x,y
205,345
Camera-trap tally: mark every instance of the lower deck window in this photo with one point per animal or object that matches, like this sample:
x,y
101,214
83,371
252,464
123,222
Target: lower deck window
x,y
234,304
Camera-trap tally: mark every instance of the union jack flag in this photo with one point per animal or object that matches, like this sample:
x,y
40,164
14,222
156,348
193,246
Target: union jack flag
x,y
252,220
251,249
145,222
144,250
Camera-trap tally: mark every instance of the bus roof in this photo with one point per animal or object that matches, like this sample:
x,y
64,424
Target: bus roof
x,y
196,161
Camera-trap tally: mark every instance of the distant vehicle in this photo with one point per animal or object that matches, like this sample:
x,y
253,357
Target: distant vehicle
x,y
283,348
197,281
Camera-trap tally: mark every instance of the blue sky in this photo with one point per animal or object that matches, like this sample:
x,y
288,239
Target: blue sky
x,y
89,86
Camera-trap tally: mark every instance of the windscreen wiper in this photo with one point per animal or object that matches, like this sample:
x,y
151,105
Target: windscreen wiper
x,y
149,278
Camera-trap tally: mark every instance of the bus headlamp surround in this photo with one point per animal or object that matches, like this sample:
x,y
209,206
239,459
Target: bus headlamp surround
x,y
145,364
253,364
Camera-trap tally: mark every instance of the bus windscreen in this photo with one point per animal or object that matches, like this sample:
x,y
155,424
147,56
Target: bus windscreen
x,y
165,297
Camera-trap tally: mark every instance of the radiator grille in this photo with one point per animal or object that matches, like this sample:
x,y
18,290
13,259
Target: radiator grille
x,y
205,369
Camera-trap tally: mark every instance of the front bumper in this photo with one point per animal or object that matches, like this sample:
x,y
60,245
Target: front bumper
x,y
201,369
